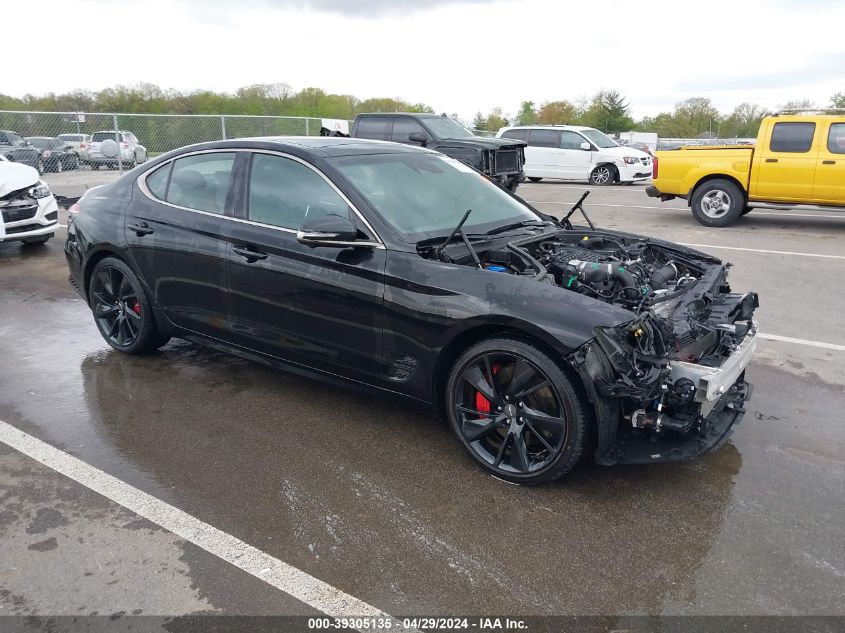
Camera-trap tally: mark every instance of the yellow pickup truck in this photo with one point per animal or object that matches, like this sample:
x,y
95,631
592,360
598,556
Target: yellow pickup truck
x,y
798,159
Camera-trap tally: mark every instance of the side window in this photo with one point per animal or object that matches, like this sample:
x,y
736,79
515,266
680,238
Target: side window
x,y
571,140
402,127
202,181
283,192
14,139
544,138
374,127
836,138
792,137
157,181
3,138
519,135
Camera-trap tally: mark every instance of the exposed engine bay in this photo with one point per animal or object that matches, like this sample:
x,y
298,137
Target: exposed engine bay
x,y
677,368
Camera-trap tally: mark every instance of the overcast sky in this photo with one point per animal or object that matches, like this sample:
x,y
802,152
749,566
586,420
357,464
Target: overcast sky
x,y
457,56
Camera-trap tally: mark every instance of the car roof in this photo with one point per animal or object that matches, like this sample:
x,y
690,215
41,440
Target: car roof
x,y
573,128
419,115
333,145
45,138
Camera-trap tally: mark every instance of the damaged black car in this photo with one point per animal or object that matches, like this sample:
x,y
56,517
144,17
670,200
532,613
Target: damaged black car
x,y
401,270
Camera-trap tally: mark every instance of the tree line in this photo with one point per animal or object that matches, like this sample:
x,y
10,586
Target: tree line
x,y
609,111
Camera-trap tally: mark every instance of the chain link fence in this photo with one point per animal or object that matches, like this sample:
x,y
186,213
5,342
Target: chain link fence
x,y
140,135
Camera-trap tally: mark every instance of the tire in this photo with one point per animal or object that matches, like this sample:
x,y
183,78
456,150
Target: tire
x,y
603,175
535,425
39,166
717,203
95,167
513,186
122,310
746,211
37,241
58,167
74,164
534,179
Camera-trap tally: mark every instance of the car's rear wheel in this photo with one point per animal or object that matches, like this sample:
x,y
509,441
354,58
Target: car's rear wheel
x,y
603,175
122,311
717,203
515,412
534,179
58,166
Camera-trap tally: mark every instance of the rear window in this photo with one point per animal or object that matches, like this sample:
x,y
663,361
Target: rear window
x,y
99,137
377,128
74,138
792,137
519,135
544,138
836,138
202,181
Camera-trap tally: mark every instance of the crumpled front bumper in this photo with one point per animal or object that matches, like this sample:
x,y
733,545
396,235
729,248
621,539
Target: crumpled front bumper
x,y
727,413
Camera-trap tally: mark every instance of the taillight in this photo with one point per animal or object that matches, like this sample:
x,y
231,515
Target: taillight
x,y
654,167
46,153
74,208
125,145
83,145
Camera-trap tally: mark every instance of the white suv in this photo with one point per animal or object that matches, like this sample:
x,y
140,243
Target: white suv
x,y
104,151
572,152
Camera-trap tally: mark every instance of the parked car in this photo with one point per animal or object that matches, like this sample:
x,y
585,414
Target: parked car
x,y
28,211
643,147
403,270
798,159
79,142
17,150
104,149
55,153
501,160
572,152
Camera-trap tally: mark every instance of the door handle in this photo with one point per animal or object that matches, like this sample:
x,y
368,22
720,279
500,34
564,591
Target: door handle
x,y
828,162
249,253
141,229
771,160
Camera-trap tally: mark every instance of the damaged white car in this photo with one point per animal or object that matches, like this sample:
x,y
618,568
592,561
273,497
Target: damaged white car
x,y
28,210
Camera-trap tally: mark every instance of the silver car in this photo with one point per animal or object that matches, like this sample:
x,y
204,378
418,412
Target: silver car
x,y
104,149
80,142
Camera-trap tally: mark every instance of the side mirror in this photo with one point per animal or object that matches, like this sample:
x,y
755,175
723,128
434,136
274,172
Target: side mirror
x,y
586,146
327,230
418,137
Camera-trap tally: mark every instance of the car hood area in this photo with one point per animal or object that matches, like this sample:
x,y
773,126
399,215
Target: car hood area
x,y
622,151
14,177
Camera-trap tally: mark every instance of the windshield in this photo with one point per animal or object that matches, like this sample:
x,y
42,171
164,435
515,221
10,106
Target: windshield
x,y
444,127
425,195
599,139
40,143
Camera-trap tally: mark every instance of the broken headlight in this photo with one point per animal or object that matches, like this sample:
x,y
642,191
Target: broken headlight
x,y
40,190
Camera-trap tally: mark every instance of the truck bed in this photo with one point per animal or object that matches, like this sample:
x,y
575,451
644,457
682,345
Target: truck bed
x,y
679,170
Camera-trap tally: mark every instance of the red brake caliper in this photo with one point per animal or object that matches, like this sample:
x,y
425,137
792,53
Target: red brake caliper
x,y
136,308
482,404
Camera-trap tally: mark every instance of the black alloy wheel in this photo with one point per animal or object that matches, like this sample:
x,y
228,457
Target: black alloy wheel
x,y
121,309
515,412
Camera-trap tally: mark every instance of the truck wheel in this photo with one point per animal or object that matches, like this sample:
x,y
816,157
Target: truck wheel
x,y
534,179
717,203
512,187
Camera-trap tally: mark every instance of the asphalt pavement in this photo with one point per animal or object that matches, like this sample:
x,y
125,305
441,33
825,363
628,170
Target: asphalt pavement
x,y
375,498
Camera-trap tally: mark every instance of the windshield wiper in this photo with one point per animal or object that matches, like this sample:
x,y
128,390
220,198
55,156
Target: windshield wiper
x,y
515,225
459,230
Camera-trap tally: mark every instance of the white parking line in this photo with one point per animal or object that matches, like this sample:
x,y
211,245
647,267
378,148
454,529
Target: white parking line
x,y
302,586
762,250
663,208
802,341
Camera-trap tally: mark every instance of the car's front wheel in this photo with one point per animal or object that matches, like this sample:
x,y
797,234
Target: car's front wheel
x,y
515,411
603,175
534,179
122,311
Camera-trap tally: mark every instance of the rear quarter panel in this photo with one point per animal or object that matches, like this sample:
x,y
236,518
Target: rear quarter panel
x,y
680,170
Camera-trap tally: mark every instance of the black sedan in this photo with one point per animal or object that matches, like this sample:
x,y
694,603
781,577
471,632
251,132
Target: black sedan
x,y
55,153
15,149
402,270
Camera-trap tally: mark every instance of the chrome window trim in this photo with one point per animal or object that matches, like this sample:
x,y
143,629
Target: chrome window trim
x,y
141,181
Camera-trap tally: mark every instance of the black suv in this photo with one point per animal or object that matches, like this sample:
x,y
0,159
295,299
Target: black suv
x,y
500,159
17,150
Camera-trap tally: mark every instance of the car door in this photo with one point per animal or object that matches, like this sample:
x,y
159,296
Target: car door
x,y
829,183
177,235
573,162
785,168
542,150
403,127
317,306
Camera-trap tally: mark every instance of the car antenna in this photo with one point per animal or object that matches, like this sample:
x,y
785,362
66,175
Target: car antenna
x,y
460,229
578,207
